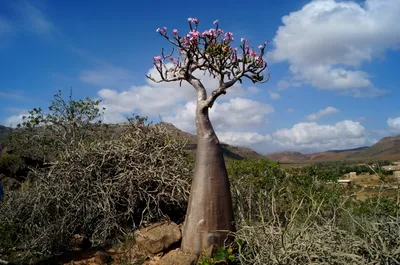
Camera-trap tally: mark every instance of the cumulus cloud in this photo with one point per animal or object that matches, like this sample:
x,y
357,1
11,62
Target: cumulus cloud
x,y
310,135
307,135
327,41
243,138
166,99
14,120
394,124
321,113
234,114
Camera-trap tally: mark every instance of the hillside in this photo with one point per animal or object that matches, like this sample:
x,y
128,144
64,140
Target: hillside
x,y
387,148
288,157
230,152
4,132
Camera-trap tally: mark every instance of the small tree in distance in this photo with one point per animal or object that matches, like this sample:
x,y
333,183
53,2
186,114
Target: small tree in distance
x,y
209,217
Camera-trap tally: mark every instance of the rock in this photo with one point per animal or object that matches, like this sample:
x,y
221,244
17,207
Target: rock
x,y
175,257
101,258
158,237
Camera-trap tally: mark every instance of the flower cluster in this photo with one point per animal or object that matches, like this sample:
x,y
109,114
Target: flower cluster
x,y
228,37
193,20
162,31
214,42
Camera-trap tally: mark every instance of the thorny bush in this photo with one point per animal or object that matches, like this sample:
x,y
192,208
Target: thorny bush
x,y
100,190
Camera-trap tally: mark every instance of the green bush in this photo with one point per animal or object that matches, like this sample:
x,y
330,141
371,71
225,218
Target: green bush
x,y
293,217
10,164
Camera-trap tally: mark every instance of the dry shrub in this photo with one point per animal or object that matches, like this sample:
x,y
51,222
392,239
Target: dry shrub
x,y
100,190
313,243
292,219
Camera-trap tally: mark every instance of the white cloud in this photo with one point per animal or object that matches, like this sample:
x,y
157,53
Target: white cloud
x,y
168,99
237,113
327,41
321,113
274,95
290,110
14,120
310,135
243,138
394,124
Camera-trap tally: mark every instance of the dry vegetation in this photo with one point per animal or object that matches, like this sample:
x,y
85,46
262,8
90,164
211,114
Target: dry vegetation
x,y
104,185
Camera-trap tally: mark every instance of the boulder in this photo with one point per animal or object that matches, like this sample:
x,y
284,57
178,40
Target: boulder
x,y
102,258
158,237
175,257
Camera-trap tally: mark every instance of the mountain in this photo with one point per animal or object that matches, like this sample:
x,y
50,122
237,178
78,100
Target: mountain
x,y
387,148
288,157
4,132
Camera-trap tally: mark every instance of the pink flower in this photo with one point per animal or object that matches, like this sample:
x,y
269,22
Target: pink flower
x,y
157,58
265,42
220,31
193,20
242,39
175,31
228,34
252,53
260,46
194,34
162,30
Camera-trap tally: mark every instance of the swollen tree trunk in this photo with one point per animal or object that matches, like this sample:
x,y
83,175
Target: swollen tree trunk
x,y
209,216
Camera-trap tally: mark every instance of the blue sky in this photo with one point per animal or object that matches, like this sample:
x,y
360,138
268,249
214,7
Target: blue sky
x,y
333,65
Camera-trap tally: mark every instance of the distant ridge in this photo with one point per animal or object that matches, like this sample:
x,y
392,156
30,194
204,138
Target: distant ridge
x,y
347,150
387,148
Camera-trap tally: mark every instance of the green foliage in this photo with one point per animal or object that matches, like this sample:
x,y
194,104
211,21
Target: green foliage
x,y
99,181
10,164
262,190
68,122
377,207
221,256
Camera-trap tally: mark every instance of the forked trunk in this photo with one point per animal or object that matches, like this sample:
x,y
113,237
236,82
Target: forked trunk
x,y
209,216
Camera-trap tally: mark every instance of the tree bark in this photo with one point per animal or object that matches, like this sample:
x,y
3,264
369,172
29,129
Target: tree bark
x,y
209,217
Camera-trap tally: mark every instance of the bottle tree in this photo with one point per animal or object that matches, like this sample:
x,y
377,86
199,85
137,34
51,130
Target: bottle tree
x,y
209,218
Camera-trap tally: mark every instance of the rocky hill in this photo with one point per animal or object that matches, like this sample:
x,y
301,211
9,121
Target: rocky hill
x,y
230,152
4,132
387,148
